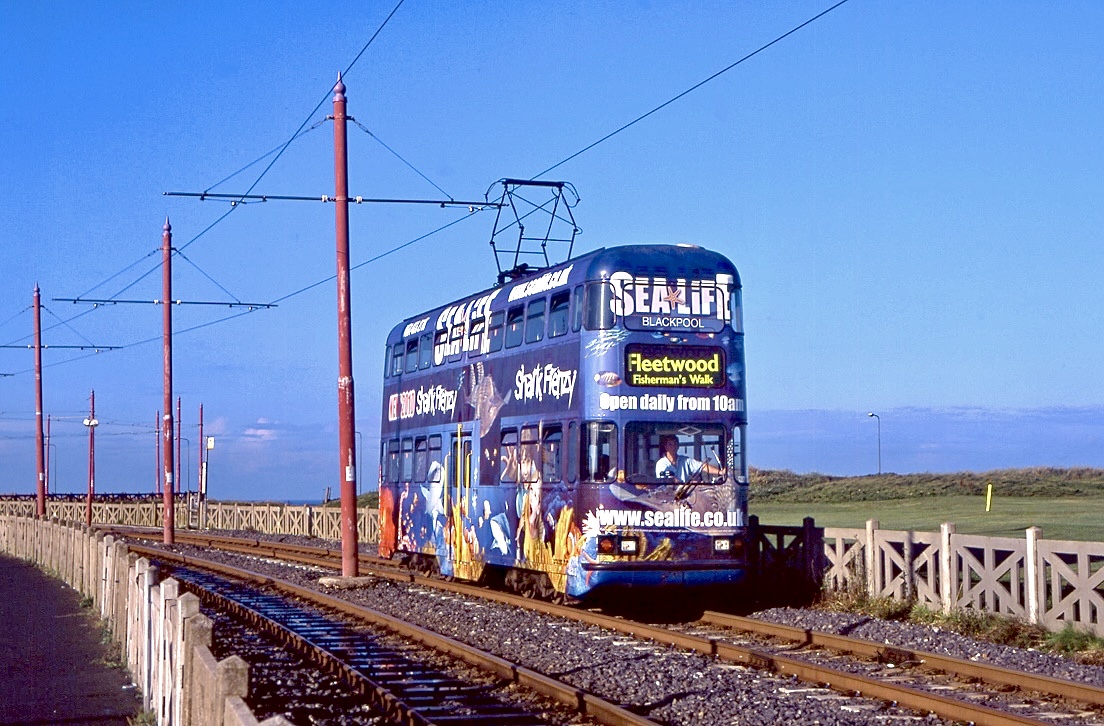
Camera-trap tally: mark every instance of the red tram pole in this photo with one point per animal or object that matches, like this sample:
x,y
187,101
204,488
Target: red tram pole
x,y
167,425
202,448
179,438
157,453
91,423
40,446
345,409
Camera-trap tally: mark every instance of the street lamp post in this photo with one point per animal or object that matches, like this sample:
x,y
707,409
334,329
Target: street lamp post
x,y
879,439
91,423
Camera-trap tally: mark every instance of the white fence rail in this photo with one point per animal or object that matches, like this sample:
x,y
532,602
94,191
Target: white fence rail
x,y
164,638
1048,582
307,521
1053,583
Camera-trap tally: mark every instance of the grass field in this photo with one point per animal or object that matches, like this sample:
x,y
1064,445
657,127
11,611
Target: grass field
x,y
1080,518
1065,504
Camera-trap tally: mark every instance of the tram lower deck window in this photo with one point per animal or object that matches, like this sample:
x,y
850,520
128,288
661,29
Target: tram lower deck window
x,y
599,451
698,445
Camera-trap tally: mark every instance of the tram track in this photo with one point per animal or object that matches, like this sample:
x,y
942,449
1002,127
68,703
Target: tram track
x,y
403,689
718,635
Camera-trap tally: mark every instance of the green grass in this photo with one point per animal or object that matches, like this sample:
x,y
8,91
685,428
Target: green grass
x,y
1064,519
1065,503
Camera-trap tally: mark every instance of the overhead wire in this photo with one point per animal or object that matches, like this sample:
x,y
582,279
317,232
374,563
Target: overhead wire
x,y
278,151
693,88
378,140
300,131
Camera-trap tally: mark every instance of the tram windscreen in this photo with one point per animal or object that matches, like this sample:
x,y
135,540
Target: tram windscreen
x,y
698,456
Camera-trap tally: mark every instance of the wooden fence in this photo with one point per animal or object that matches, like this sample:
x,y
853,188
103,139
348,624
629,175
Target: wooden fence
x,y
1053,583
164,638
271,518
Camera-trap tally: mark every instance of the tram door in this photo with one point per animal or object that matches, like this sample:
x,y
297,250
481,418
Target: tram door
x,y
462,476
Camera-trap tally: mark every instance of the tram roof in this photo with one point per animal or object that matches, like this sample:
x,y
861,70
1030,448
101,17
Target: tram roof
x,y
660,260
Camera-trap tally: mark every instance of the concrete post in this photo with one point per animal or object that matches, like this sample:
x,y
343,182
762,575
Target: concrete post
x,y
169,653
948,590
1036,589
197,633
871,553
231,679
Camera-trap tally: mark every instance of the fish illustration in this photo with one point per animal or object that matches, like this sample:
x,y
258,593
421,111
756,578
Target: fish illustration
x,y
486,401
500,533
607,378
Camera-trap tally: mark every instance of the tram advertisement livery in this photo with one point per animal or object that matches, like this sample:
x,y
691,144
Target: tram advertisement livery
x,y
552,428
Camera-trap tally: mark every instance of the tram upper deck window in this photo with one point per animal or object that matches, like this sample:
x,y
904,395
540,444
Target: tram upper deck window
x,y
599,451
475,337
515,326
440,342
534,321
599,308
387,361
494,332
699,458
412,355
737,308
577,318
559,310
425,351
397,358
456,343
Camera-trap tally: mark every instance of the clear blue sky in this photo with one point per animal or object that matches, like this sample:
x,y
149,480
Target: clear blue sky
x,y
911,193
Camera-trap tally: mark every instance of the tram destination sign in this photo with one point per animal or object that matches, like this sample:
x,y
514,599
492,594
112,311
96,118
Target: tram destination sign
x,y
670,365
689,306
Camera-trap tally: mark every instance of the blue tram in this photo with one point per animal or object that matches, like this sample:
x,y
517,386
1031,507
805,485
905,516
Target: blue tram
x,y
579,428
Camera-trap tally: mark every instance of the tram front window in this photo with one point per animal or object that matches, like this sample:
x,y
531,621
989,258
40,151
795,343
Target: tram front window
x,y
670,453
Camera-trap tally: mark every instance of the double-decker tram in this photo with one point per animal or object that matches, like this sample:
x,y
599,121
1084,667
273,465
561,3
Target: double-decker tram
x,y
577,429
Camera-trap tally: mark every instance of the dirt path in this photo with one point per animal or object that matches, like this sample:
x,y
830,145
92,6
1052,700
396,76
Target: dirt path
x,y
53,664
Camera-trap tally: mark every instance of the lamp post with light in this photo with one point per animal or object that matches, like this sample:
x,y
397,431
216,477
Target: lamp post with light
x,y
879,439
91,423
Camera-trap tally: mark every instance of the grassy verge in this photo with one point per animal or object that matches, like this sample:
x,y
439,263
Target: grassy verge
x,y
1079,644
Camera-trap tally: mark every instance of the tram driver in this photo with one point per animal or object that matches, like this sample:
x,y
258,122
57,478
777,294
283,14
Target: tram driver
x,y
672,465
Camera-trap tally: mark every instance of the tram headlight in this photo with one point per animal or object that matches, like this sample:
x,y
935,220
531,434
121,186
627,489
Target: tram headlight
x,y
722,545
629,546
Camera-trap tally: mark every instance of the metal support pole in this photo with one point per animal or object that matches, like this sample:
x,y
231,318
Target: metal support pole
x,y
49,471
167,425
157,449
202,451
91,423
40,453
345,400
179,438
